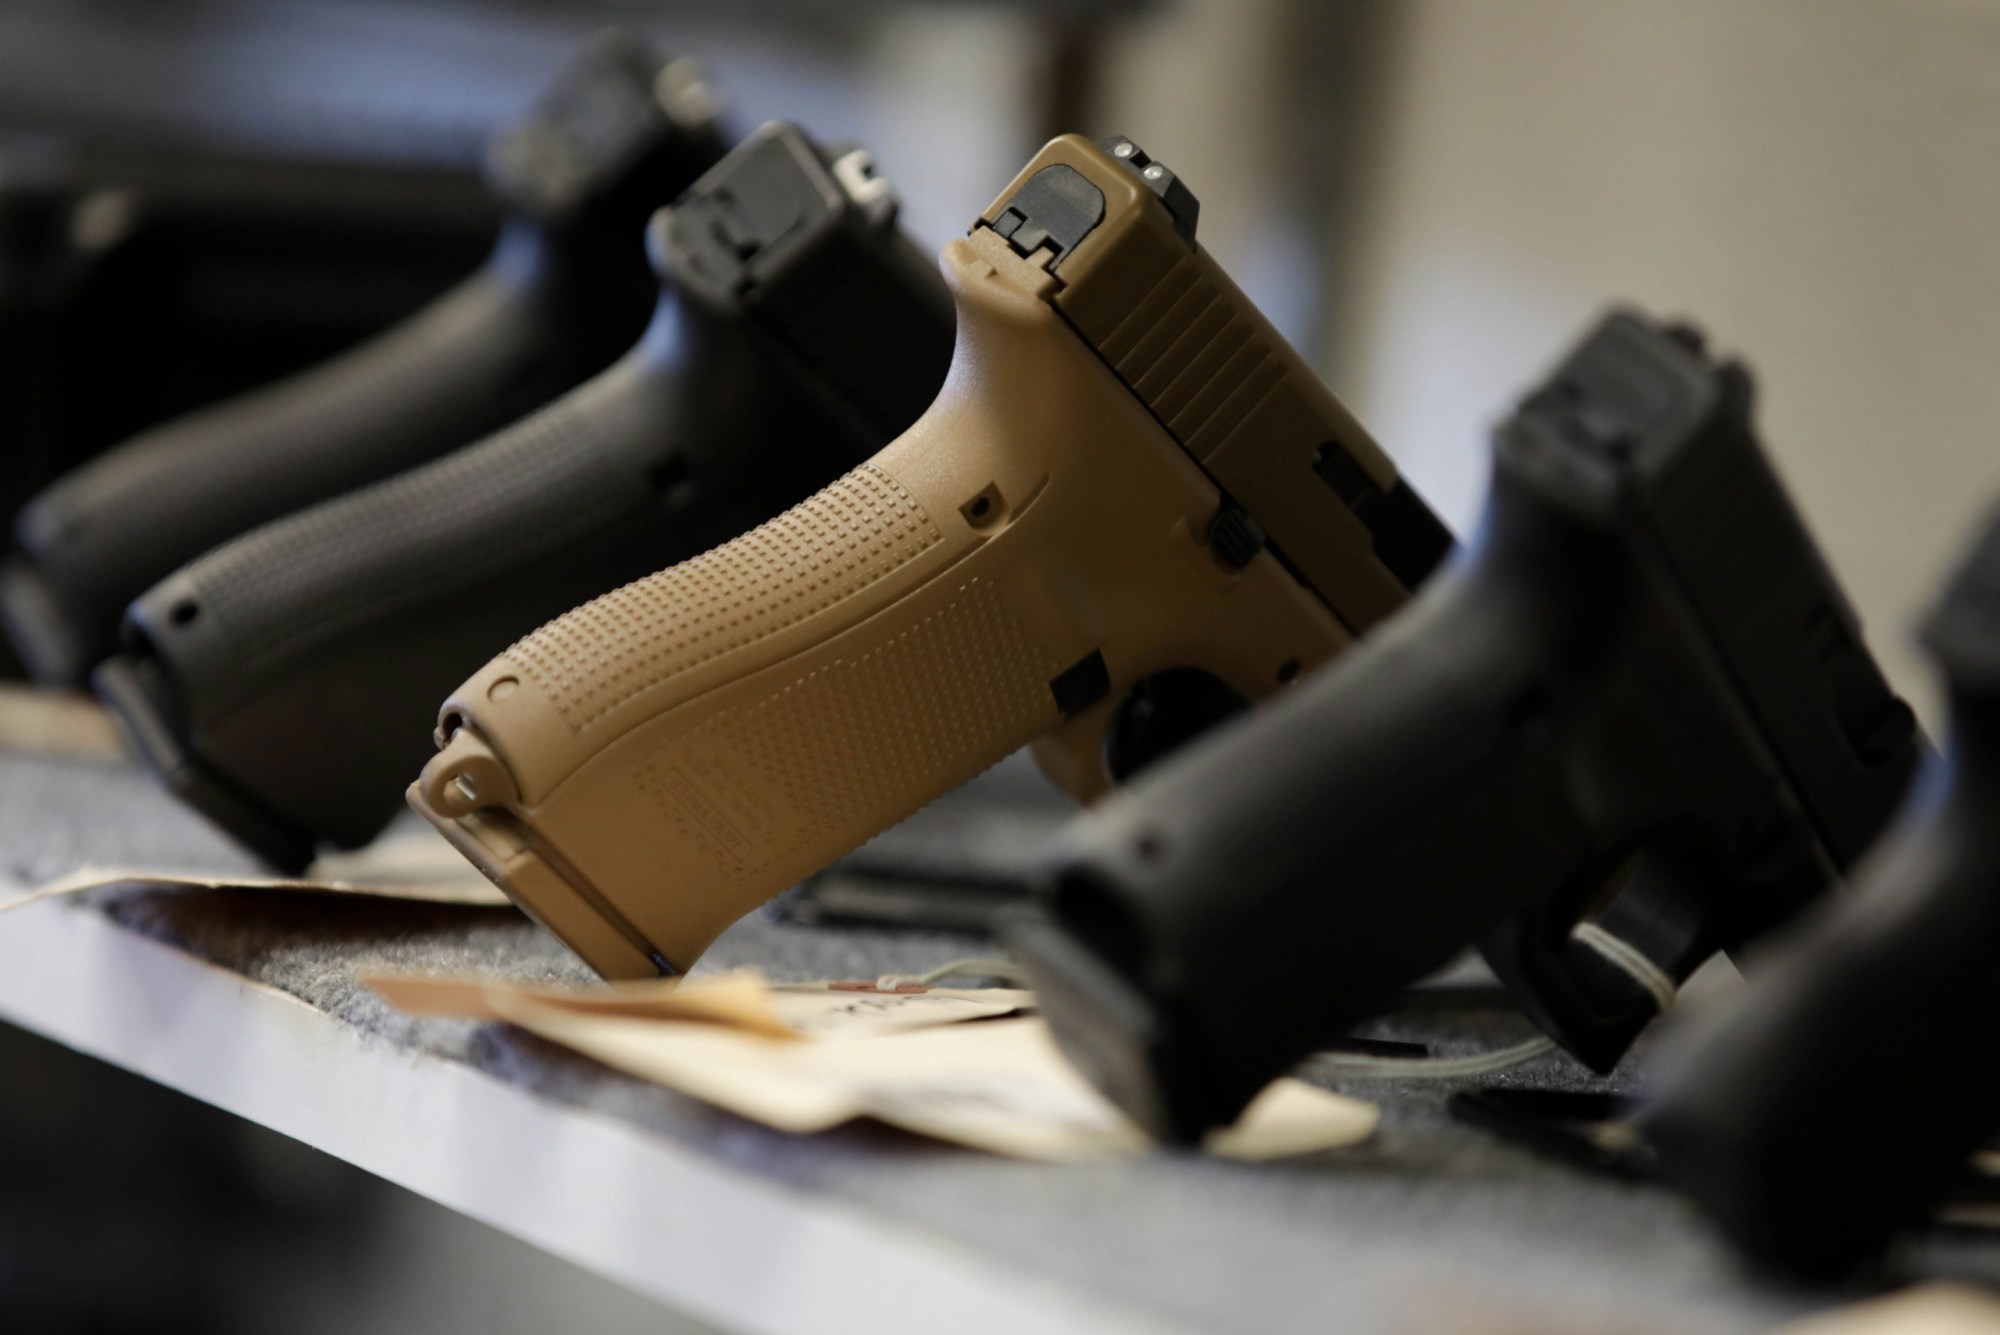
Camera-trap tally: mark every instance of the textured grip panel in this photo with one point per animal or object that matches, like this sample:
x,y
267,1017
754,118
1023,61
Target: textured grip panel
x,y
266,432
850,740
816,554
499,346
454,524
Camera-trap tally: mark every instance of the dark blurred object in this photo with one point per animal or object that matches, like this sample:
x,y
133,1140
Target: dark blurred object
x,y
955,866
1842,1094
863,891
137,285
130,1208
567,289
200,197
1634,725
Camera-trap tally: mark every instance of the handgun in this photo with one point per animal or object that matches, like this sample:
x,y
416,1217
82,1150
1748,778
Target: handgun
x,y
565,291
1632,724
1128,477
1844,1091
285,683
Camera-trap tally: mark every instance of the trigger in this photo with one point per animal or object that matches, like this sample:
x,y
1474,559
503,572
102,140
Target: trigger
x,y
1115,739
1165,712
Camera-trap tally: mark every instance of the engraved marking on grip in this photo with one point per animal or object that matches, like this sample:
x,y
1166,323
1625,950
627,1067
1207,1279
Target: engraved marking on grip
x,y
820,552
814,767
365,552
678,786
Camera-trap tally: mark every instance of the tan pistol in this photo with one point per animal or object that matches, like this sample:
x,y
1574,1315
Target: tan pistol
x,y
1128,478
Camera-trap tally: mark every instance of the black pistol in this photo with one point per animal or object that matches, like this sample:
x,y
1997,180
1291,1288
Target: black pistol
x,y
565,291
1842,1094
285,684
1632,724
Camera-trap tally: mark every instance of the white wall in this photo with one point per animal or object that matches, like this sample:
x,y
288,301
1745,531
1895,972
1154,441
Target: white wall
x,y
1815,181
1201,85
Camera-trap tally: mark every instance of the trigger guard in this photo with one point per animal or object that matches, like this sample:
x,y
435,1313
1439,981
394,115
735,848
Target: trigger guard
x,y
1117,738
1593,984
1591,1010
1072,757
1162,713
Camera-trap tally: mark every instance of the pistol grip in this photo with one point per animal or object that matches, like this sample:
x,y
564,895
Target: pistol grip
x,y
496,347
1389,809
766,707
1840,1096
692,744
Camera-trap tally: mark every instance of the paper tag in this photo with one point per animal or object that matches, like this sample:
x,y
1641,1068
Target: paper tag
x,y
999,1085
48,723
1928,1309
747,1073
740,998
821,1010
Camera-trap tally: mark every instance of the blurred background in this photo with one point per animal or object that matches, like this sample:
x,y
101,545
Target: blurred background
x,y
1430,196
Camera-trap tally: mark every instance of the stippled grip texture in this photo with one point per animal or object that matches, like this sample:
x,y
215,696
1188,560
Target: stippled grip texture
x,y
841,665
847,745
433,535
300,665
825,549
495,348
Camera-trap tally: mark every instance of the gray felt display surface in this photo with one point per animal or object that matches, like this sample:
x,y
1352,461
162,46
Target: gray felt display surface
x,y
1433,1226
